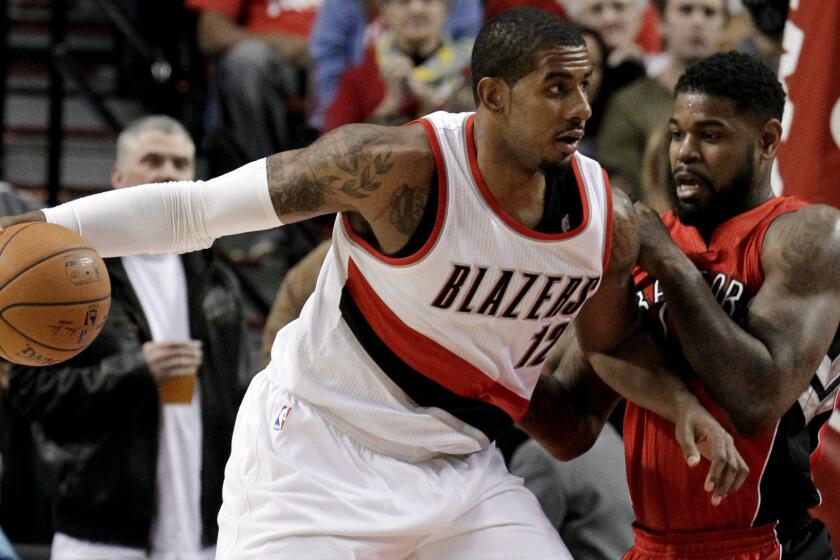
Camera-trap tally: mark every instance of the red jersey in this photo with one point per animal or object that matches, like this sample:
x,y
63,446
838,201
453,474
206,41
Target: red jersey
x,y
668,496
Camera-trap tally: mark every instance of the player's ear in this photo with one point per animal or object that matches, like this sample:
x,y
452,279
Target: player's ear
x,y
769,138
493,93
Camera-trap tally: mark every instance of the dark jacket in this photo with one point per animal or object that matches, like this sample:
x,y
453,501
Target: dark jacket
x,y
98,414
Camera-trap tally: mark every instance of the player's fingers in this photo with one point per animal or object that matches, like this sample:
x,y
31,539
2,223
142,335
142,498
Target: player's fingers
x,y
34,216
718,458
174,344
743,473
172,366
165,352
162,360
727,477
685,437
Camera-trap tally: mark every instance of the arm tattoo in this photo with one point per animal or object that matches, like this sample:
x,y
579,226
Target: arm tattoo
x,y
339,162
407,206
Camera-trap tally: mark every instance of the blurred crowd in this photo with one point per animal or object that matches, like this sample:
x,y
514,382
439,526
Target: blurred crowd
x,y
277,74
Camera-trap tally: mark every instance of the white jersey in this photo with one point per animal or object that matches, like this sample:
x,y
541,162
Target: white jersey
x,y
438,351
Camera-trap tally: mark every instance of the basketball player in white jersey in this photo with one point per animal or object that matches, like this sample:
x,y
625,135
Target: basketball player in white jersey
x,y
370,433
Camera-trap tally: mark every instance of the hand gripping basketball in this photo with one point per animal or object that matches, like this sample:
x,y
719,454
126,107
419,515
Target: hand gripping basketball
x,y
55,294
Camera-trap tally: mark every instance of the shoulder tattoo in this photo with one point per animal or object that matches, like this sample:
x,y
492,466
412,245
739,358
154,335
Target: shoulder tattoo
x,y
344,161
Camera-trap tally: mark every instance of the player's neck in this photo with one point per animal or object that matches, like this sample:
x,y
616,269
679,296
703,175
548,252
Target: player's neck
x,y
519,190
753,199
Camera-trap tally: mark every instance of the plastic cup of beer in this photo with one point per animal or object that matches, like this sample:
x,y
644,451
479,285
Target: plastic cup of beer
x,y
178,389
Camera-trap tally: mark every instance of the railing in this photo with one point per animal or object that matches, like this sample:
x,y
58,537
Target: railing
x,y
4,71
65,69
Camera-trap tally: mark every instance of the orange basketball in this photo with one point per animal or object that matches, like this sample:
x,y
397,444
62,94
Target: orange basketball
x,y
54,294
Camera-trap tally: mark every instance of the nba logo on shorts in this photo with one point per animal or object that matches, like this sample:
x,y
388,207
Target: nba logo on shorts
x,y
280,423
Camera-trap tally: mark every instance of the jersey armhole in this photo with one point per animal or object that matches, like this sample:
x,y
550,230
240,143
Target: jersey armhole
x,y
442,186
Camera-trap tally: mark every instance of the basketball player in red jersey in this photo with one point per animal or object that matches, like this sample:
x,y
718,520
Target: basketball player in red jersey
x,y
744,288
370,434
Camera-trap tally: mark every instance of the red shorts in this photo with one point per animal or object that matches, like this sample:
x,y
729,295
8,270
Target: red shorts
x,y
757,543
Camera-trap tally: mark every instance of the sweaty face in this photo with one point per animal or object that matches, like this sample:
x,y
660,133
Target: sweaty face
x,y
548,108
417,24
693,29
713,154
153,156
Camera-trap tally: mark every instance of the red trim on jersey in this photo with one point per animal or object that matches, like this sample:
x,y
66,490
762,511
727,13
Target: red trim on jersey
x,y
608,231
504,216
746,544
439,219
427,356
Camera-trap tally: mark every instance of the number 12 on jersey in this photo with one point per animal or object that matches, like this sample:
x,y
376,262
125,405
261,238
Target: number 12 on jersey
x,y
542,340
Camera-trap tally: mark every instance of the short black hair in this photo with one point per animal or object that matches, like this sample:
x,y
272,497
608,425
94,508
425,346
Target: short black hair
x,y
508,45
748,82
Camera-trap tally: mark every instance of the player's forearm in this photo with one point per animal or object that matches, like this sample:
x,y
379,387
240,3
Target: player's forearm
x,y
637,371
736,368
171,217
569,406
559,423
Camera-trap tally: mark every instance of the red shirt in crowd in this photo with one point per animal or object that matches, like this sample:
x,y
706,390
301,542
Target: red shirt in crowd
x,y
359,93
265,16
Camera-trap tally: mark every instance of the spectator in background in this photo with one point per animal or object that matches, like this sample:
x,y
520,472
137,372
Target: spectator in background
x,y
621,24
693,30
135,470
345,29
412,69
657,183
598,57
260,48
618,22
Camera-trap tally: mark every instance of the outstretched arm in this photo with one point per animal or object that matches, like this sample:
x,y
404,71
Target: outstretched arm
x,y
381,173
758,370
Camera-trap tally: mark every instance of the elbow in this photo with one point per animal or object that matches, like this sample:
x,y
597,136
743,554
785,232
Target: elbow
x,y
755,421
574,444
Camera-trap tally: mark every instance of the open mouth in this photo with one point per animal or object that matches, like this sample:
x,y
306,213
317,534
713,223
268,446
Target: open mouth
x,y
568,142
689,184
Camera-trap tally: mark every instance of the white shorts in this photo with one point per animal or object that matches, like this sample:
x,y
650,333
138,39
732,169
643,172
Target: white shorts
x,y
296,487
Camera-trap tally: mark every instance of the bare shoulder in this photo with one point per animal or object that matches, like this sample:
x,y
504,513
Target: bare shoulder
x,y
625,233
350,168
803,248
